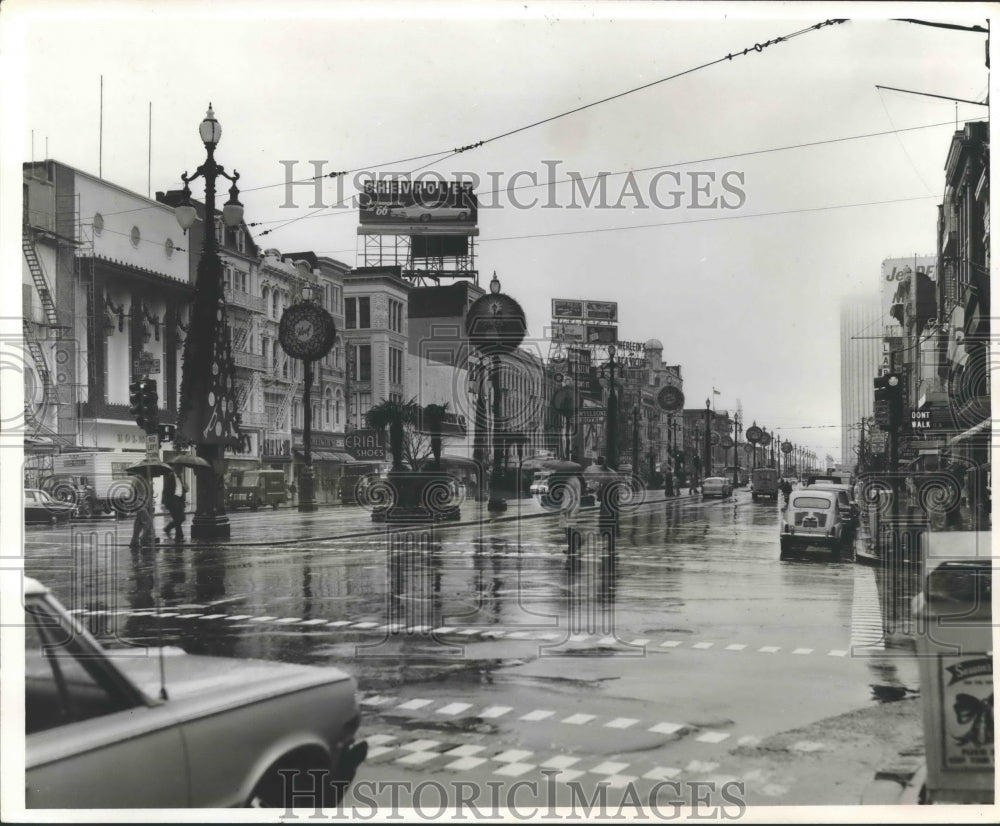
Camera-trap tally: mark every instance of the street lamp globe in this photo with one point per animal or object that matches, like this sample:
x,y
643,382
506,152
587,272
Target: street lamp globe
x,y
232,210
210,129
185,213
495,284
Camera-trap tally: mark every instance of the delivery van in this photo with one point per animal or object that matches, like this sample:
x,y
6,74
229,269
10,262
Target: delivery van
x,y
256,488
765,483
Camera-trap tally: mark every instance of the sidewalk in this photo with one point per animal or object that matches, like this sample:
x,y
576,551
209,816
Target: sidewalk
x,y
288,526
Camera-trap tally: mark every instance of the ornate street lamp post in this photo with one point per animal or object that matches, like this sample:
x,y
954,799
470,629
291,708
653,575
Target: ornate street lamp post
x,y
306,332
707,469
207,417
611,436
495,325
736,450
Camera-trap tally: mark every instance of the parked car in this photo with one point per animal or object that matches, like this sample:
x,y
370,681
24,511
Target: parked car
x,y
716,486
812,517
108,729
850,511
256,488
540,484
40,507
422,213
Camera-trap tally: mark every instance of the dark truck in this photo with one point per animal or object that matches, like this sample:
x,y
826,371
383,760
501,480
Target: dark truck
x,y
255,488
765,483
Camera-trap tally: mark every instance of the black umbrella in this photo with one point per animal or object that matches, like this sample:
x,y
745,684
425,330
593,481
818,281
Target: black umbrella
x,y
149,467
187,460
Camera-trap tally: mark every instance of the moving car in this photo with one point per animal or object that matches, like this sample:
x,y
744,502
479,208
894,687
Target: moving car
x,y
716,486
141,728
812,517
40,507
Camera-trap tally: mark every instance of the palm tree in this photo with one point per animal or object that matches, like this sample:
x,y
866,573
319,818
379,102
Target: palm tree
x,y
394,415
433,418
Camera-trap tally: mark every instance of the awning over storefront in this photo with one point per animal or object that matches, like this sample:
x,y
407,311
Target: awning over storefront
x,y
980,431
327,456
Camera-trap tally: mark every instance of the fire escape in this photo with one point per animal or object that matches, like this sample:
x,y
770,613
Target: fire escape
x,y
34,333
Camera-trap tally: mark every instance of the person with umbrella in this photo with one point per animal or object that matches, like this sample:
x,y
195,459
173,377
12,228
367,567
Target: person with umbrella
x,y
175,504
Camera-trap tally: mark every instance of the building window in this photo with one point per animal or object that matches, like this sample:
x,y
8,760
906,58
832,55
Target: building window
x,y
168,247
396,397
241,242
358,313
227,276
220,232
135,237
275,304
363,406
98,223
364,366
395,316
395,365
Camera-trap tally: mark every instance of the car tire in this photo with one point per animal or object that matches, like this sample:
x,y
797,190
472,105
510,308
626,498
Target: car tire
x,y
786,549
754,497
425,217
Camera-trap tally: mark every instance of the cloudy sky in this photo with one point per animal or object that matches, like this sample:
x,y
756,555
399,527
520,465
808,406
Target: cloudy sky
x,y
736,258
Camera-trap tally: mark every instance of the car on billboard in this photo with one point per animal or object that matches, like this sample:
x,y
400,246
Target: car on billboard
x,y
424,214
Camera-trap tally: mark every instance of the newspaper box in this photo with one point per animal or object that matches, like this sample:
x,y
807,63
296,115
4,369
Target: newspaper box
x,y
955,653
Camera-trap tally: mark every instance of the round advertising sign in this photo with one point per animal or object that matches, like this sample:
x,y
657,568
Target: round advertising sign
x,y
714,438
786,447
754,433
748,448
670,399
765,439
306,331
727,441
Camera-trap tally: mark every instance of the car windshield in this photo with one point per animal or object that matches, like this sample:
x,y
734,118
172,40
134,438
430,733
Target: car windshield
x,y
815,502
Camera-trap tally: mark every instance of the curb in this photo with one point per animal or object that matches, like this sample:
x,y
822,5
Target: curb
x,y
356,535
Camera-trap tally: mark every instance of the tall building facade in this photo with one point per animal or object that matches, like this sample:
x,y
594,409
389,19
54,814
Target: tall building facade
x,y
861,326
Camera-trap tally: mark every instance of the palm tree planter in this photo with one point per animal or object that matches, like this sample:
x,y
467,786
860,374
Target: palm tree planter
x,y
418,495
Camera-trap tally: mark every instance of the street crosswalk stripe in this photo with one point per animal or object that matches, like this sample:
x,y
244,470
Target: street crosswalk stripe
x,y
518,635
378,751
362,625
666,728
512,756
421,745
379,739
712,737
444,629
454,708
313,622
414,704
235,617
803,651
608,641
338,623
262,619
494,711
736,646
701,767
211,616
561,761
468,632
661,773
703,645
608,767
537,714
836,653
164,615
465,763
769,649
621,722
514,769
287,620
642,641
196,616
619,781
417,757
377,700
418,629
670,644
579,719
566,775
580,637
461,751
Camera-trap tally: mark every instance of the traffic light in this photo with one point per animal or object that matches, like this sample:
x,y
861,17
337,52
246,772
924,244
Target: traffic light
x,y
148,405
888,407
167,432
135,402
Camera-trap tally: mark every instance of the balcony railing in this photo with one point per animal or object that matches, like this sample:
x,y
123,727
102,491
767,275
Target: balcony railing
x,y
252,361
238,298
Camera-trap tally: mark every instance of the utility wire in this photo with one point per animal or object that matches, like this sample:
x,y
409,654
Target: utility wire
x,y
756,48
711,159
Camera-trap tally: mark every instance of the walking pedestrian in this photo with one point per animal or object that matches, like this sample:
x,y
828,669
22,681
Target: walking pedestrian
x,y
571,493
175,505
291,491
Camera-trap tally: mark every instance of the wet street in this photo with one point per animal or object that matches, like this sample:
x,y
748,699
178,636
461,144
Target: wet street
x,y
484,653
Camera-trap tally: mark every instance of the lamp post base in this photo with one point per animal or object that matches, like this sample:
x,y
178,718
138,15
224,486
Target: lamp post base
x,y
307,493
210,526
